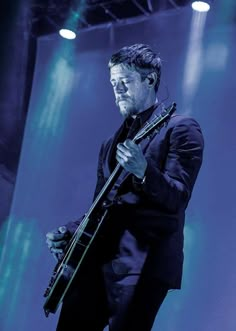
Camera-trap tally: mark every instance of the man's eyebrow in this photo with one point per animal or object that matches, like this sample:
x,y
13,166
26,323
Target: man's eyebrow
x,y
126,76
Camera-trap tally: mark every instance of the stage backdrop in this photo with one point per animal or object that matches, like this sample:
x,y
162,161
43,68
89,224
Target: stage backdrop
x,y
72,110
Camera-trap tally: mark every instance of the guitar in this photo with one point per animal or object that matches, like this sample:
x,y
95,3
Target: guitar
x,y
67,267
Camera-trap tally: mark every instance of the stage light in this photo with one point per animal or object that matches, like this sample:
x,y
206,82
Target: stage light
x,y
67,34
201,6
193,64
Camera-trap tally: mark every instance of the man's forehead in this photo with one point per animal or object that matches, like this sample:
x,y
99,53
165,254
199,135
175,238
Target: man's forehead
x,y
122,70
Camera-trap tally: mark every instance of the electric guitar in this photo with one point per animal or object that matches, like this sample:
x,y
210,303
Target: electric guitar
x,y
67,267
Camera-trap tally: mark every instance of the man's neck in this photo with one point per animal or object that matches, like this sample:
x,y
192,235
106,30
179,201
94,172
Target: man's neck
x,y
147,106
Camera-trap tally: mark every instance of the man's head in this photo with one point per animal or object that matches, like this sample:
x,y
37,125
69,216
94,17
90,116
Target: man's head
x,y
135,73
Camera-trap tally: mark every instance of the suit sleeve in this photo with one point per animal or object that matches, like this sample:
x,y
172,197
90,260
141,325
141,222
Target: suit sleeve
x,y
171,185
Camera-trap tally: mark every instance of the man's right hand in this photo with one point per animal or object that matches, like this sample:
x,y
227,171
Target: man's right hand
x,y
57,241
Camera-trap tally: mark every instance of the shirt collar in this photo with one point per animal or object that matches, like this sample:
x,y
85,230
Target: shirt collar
x,y
141,117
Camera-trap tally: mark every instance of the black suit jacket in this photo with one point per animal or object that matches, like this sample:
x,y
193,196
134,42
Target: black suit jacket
x,y
155,212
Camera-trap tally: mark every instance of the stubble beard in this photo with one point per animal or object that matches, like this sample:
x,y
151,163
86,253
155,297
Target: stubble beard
x,y
127,111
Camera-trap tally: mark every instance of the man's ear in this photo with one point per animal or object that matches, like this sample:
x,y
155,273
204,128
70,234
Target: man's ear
x,y
152,79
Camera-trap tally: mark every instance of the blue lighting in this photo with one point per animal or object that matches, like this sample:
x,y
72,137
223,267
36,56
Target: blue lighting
x,y
201,6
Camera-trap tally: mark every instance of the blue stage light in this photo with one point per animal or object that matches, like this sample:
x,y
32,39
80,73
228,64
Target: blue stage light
x,y
201,6
67,34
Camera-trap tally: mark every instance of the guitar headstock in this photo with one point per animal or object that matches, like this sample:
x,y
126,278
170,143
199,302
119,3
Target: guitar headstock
x,y
155,125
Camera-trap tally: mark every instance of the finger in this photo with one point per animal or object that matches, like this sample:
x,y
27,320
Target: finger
x,y
130,144
56,250
122,156
62,229
58,256
124,149
134,148
121,161
59,244
56,244
54,235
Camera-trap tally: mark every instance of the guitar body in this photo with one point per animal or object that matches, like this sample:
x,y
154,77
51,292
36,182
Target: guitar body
x,y
75,252
68,265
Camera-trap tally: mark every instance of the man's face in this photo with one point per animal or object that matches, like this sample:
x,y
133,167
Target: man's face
x,y
131,93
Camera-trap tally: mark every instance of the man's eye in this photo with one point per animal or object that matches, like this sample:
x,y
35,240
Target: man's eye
x,y
126,81
123,82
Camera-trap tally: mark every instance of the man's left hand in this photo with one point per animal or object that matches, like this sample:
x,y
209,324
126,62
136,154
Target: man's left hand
x,y
131,158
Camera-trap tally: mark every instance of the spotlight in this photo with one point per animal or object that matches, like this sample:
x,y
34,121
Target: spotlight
x,y
201,6
67,34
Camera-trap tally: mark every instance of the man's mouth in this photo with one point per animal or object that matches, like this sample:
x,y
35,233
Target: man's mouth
x,y
121,99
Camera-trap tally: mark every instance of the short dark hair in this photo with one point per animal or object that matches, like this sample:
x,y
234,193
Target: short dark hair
x,y
141,57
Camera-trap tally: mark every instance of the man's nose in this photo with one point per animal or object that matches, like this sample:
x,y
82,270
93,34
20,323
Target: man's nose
x,y
120,88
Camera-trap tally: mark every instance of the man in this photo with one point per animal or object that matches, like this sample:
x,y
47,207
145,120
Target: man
x,y
126,277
